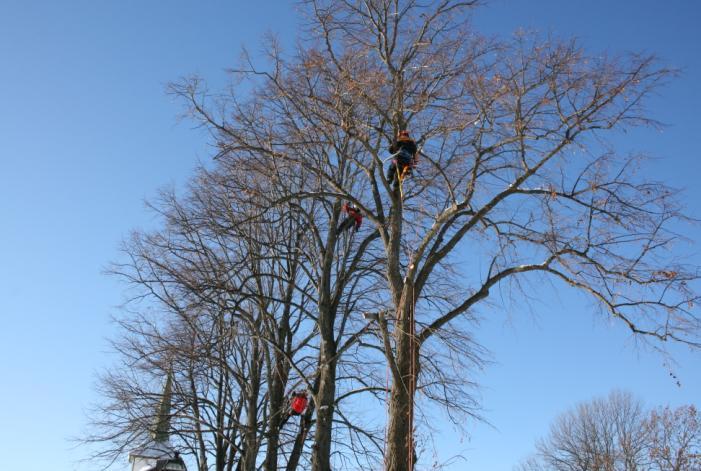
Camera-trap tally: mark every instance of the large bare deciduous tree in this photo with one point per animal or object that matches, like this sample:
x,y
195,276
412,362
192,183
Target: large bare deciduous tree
x,y
516,173
517,180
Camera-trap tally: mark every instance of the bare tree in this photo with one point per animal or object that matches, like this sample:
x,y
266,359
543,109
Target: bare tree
x,y
340,265
207,403
515,171
617,434
340,268
223,304
676,439
236,289
608,434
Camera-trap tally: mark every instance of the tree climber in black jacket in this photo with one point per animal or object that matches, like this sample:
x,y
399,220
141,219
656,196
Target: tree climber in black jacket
x,y
403,151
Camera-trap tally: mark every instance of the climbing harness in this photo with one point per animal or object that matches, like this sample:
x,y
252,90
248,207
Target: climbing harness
x,y
406,170
400,182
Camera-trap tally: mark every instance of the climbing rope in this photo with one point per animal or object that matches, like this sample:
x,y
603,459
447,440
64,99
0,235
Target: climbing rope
x,y
400,180
412,375
384,445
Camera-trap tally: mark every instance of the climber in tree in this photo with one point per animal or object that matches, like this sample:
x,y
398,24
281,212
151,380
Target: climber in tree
x,y
403,151
354,218
298,403
297,406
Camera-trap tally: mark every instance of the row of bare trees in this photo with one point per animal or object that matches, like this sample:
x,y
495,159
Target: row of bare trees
x,y
244,308
257,293
617,433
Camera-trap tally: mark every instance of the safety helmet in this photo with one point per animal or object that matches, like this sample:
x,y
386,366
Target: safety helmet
x,y
299,403
403,136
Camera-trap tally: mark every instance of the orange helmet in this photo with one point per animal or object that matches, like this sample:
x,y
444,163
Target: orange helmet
x,y
403,136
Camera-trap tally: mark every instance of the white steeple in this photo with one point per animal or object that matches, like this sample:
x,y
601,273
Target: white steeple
x,y
158,454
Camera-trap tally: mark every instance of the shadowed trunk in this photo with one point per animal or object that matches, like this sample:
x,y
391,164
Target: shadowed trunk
x,y
250,442
401,452
277,409
326,394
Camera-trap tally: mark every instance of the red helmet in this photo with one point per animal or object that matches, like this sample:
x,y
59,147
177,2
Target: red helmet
x,y
403,135
299,403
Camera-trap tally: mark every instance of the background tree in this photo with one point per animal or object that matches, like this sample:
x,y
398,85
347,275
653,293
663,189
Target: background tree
x,y
604,434
618,433
237,290
676,438
214,304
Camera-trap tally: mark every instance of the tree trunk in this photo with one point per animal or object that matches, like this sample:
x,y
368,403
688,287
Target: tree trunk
x,y
277,409
326,391
399,439
250,442
325,397
401,452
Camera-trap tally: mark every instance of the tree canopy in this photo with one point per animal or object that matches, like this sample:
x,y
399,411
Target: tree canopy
x,y
259,292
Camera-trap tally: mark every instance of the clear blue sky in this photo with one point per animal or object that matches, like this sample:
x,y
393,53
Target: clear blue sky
x,y
87,133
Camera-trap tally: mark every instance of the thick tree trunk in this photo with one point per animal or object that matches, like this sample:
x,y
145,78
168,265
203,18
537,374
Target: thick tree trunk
x,y
277,410
278,400
325,398
400,452
326,391
250,441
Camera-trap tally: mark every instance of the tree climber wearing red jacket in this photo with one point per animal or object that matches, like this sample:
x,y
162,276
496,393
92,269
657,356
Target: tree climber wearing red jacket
x,y
354,218
298,403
